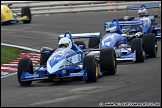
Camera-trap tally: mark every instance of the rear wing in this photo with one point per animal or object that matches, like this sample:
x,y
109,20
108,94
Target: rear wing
x,y
147,6
123,23
80,35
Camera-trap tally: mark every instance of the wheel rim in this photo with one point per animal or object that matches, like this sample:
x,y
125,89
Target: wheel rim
x,y
96,70
156,48
114,61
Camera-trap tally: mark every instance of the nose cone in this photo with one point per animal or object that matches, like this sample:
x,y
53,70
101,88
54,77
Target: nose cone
x,y
6,13
58,59
55,59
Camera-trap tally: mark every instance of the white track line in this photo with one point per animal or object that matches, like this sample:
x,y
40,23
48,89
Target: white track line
x,y
8,75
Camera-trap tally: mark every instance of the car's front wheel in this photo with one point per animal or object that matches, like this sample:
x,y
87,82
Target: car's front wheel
x,y
91,65
108,62
137,45
24,65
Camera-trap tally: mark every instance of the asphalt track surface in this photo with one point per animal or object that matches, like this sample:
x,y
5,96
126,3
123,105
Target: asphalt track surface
x,y
133,82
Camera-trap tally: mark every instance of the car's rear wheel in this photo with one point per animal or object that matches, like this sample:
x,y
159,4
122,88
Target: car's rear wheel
x,y
150,43
24,65
137,45
80,43
25,11
94,43
108,63
91,65
45,55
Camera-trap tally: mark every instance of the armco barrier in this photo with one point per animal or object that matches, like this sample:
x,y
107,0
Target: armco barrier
x,y
51,7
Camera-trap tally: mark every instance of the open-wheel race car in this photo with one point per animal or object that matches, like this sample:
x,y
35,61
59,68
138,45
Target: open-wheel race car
x,y
149,21
8,16
134,45
69,62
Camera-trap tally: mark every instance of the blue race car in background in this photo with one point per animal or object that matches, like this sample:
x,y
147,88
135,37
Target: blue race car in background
x,y
8,16
149,23
129,46
74,62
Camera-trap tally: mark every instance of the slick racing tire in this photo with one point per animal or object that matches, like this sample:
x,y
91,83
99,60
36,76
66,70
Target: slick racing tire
x,y
150,43
137,45
80,43
24,64
44,57
94,43
91,65
108,62
25,11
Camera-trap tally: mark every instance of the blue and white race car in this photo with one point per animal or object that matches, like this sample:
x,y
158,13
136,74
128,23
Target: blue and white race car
x,y
134,46
149,23
65,62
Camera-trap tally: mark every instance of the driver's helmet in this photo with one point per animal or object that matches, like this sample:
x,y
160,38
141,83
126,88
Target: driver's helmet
x,y
138,34
126,18
111,28
142,12
65,42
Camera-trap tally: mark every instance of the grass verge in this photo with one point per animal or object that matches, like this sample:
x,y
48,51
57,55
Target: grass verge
x,y
9,54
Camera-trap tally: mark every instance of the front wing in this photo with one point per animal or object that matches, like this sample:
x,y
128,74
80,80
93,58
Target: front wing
x,y
24,18
41,74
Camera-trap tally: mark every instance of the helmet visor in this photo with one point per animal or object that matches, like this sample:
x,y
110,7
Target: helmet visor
x,y
63,45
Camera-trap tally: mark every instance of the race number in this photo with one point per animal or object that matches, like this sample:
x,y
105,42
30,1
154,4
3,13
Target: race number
x,y
7,11
107,43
